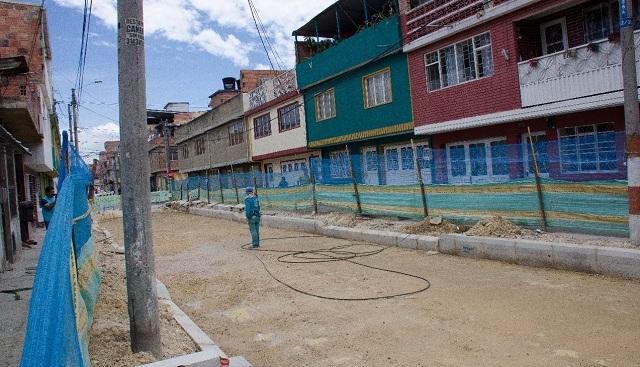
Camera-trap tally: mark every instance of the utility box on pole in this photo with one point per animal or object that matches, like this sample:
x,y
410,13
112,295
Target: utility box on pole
x,y
631,117
136,197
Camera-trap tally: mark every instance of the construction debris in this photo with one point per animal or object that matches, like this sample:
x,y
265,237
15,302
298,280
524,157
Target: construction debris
x,y
434,226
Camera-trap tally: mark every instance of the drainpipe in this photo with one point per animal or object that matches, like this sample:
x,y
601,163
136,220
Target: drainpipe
x,y
338,23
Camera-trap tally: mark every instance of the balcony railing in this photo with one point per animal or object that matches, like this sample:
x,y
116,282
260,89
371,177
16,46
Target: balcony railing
x,y
587,70
273,88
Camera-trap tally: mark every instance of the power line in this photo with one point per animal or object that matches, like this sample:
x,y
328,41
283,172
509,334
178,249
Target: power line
x,y
260,34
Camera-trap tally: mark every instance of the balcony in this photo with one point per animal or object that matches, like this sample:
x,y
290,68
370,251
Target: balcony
x,y
20,117
273,88
578,72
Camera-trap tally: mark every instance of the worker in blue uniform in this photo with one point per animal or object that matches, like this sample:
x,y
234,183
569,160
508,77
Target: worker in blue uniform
x,y
252,211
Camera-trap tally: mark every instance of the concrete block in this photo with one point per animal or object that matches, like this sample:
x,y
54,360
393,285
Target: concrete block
x,y
200,359
293,224
574,257
163,292
502,249
534,253
448,244
407,241
427,243
239,362
379,237
618,262
196,334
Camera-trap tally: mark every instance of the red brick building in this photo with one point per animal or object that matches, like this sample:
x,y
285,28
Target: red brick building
x,y
484,72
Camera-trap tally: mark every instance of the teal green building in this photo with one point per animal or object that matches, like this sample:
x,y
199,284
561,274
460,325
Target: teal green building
x,y
357,102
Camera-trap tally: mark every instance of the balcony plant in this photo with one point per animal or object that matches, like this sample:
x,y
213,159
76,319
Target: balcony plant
x,y
533,63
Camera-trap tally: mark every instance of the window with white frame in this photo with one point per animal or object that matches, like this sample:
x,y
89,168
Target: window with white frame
x,y
466,60
289,117
601,20
480,160
262,126
588,148
377,88
406,156
423,154
236,133
326,105
339,164
371,160
539,140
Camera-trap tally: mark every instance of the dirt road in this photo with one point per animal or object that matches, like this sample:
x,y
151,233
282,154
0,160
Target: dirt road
x,y
476,313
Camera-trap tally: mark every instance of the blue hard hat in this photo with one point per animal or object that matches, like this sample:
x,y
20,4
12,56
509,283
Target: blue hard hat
x,y
249,189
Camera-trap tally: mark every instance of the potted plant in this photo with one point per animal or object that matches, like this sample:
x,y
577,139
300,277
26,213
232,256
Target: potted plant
x,y
593,47
533,63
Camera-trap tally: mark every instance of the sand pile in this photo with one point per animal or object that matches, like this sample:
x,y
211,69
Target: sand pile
x,y
498,227
434,226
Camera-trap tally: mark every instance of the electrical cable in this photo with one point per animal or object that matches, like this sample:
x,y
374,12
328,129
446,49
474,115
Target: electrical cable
x,y
332,254
260,35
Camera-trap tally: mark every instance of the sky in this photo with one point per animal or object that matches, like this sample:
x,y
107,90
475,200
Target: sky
x,y
190,45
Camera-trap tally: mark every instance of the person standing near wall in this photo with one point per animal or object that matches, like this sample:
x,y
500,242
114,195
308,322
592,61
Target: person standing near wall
x,y
48,203
252,211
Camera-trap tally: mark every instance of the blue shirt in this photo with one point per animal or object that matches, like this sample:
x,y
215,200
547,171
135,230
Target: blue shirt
x,y
251,206
47,213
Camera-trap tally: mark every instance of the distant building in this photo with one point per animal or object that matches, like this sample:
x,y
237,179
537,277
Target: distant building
x,y
108,169
27,119
278,136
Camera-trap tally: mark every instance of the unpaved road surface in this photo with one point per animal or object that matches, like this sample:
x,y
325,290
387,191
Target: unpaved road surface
x,y
476,313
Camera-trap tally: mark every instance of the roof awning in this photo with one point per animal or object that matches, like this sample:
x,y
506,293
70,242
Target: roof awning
x,y
13,65
351,15
155,117
7,138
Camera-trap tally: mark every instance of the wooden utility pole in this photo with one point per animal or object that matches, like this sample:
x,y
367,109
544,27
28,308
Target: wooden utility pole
x,y
70,121
144,322
536,172
166,132
353,182
631,117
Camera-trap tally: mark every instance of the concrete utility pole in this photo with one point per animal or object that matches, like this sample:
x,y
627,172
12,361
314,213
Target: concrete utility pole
x,y
144,322
166,131
74,105
70,122
631,117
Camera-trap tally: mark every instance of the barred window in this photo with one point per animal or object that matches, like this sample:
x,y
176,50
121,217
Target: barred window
x,y
185,151
262,126
289,117
466,60
339,164
588,148
200,146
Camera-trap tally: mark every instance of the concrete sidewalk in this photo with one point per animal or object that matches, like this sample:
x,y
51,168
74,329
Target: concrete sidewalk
x,y
15,305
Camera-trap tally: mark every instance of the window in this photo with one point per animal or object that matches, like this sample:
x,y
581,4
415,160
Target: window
x,y
236,133
601,20
377,88
481,160
542,156
424,156
339,164
23,90
554,36
185,151
371,160
588,148
406,155
200,147
262,126
289,117
325,105
392,159
467,60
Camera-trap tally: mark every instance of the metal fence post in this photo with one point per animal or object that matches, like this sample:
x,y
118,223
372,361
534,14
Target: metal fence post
x,y
221,188
314,199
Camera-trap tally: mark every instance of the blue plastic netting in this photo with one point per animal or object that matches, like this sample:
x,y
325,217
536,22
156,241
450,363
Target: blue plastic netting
x,y
67,279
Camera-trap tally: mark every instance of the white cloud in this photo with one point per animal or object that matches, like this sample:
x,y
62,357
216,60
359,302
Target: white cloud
x,y
103,43
210,25
92,139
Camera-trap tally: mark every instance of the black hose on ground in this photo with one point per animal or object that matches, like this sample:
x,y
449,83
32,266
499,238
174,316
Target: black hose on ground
x,y
336,253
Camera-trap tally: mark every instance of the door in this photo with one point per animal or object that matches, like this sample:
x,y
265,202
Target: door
x,y
400,165
268,174
554,36
370,166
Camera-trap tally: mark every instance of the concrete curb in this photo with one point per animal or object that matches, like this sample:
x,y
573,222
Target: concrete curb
x,y
615,262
